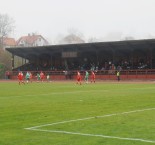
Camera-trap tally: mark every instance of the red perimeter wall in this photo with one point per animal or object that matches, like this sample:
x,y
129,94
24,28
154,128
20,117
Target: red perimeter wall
x,y
100,77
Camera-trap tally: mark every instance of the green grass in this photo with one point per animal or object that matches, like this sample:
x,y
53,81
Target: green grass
x,y
44,103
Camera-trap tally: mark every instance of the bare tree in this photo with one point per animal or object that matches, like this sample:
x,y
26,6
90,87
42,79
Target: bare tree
x,y
71,39
93,39
6,27
129,38
74,36
74,31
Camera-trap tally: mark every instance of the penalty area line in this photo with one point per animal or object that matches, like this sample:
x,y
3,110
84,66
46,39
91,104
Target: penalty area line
x,y
95,135
88,118
36,128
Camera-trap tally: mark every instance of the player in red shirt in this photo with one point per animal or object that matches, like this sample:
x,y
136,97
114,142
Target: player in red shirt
x,y
42,76
92,77
20,78
78,77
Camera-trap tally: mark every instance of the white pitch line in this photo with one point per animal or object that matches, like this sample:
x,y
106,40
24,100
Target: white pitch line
x,y
35,128
71,92
96,135
88,118
58,93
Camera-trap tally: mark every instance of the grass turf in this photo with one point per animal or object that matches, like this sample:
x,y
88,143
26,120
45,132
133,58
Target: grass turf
x,y
23,106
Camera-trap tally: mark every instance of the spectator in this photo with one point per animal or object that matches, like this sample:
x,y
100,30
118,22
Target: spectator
x,y
118,75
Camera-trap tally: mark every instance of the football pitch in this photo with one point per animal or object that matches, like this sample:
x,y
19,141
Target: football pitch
x,y
63,113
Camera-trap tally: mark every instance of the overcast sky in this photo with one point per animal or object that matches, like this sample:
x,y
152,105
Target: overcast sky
x,y
92,18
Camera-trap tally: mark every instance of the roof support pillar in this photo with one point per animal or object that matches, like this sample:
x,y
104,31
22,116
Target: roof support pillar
x,y
22,61
97,59
12,61
113,56
150,58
